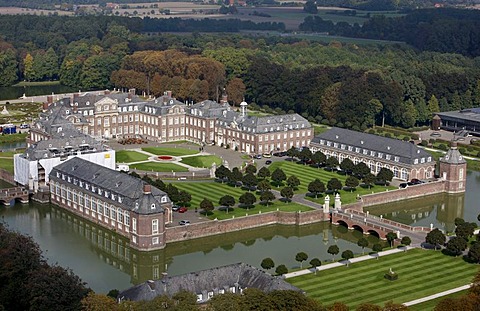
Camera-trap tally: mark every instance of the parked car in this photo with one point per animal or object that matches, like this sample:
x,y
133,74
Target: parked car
x,y
258,156
416,181
268,162
182,209
267,155
403,185
184,222
175,208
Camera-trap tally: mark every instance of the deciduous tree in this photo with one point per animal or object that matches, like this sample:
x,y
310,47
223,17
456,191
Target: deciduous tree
x,y
301,257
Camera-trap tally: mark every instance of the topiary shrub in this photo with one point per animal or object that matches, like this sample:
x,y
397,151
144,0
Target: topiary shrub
x,y
388,135
390,275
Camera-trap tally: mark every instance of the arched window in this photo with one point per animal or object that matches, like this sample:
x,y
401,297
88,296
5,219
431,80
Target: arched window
x,y
395,172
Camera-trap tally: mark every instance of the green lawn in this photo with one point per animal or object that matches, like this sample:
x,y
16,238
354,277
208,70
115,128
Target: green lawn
x,y
8,154
7,164
126,156
159,167
307,174
319,129
421,273
202,161
20,137
214,191
430,305
176,152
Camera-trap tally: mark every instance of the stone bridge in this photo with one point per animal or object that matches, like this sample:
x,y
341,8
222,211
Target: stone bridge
x,y
380,227
8,196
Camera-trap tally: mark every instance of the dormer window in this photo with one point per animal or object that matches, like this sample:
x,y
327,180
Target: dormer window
x,y
164,199
152,206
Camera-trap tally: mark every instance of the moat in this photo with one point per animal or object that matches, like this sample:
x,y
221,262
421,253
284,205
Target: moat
x,y
104,260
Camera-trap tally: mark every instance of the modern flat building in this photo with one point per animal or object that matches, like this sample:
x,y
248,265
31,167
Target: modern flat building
x,y
207,283
404,159
114,200
463,120
165,119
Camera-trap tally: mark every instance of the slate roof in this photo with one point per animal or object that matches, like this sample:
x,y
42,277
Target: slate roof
x,y
406,151
209,109
453,156
128,187
201,282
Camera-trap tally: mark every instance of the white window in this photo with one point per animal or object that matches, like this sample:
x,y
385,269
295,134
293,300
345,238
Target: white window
x,y
134,225
155,240
155,226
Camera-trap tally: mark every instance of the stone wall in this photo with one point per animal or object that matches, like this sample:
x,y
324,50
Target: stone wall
x,y
198,230
410,192
7,176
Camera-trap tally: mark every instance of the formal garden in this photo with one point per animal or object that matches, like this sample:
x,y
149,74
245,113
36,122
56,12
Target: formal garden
x,y
175,152
420,273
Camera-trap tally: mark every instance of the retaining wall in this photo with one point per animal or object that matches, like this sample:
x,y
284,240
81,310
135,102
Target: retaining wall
x,y
7,176
198,230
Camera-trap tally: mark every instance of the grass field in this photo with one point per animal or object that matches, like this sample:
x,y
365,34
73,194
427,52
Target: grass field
x,y
214,191
176,152
125,156
430,305
420,273
202,161
159,167
307,174
20,137
7,164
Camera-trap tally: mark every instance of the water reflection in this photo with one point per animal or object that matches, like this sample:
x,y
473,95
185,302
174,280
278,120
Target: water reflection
x,y
104,259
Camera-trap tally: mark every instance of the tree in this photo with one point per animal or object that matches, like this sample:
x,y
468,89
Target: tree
x,y
310,7
184,197
28,71
474,252
287,193
406,241
236,176
222,173
361,169
281,269
99,302
351,182
267,196
278,176
249,180
316,187
315,262
264,185
267,263
236,90
347,255
301,257
384,175
228,201
207,206
347,165
435,237
433,105
391,236
362,242
305,155
465,230
319,158
377,248
368,307
333,250
334,185
8,66
247,199
292,152
251,169
331,163
263,173
368,180
293,182
456,245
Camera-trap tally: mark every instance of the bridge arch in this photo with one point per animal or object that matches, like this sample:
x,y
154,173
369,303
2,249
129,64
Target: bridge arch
x,y
357,228
374,233
342,223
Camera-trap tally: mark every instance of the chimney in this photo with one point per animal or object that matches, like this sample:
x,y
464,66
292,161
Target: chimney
x,y
224,99
169,94
45,106
76,95
131,91
147,189
49,99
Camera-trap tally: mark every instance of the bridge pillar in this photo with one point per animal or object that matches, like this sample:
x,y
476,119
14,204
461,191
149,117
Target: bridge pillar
x,y
326,206
338,203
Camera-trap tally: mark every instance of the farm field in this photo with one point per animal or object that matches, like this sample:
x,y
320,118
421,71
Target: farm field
x,y
126,156
175,152
202,161
307,174
420,273
158,167
214,191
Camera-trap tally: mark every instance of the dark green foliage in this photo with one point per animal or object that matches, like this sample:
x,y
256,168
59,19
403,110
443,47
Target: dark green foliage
x,y
362,242
361,169
310,7
347,165
384,175
264,172
316,187
406,241
465,230
368,179
278,176
267,196
474,252
227,200
293,182
333,250
287,193
247,199
236,175
334,185
391,236
249,180
435,238
206,205
348,254
251,169
301,257
351,182
267,263
222,172
281,269
456,245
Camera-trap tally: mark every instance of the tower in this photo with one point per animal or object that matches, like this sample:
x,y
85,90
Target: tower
x,y
453,169
243,105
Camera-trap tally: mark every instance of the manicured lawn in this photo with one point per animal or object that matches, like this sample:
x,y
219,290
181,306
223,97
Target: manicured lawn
x,y
125,156
7,164
214,191
307,174
20,137
430,305
202,161
421,273
159,167
8,154
176,152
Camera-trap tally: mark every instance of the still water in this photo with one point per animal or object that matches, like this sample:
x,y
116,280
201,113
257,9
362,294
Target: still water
x,y
105,261
14,92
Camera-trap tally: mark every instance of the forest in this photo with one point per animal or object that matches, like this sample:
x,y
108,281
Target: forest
x,y
348,85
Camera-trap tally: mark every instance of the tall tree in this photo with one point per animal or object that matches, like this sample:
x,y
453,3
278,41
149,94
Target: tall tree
x,y
263,172
362,242
293,181
267,196
278,176
287,193
435,238
28,72
235,90
247,199
316,187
